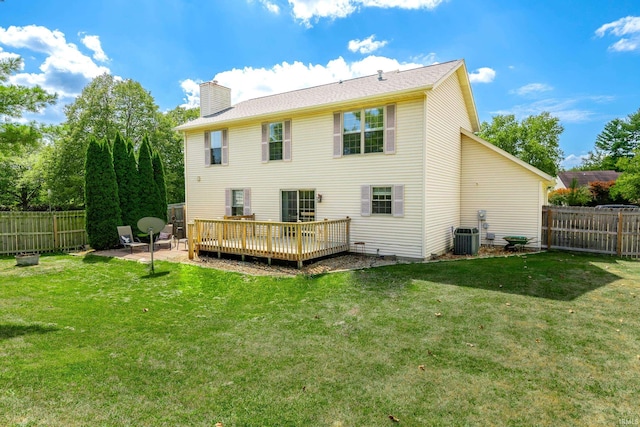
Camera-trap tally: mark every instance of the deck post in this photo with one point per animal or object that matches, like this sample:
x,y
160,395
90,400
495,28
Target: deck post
x,y
299,241
190,237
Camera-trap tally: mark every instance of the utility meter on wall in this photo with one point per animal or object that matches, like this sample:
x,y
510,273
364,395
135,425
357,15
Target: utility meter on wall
x,y
482,215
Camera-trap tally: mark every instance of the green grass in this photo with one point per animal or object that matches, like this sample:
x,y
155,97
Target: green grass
x,y
547,339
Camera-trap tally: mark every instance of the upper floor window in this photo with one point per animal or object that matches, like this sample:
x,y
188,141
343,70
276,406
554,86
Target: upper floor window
x,y
276,141
368,130
363,136
216,147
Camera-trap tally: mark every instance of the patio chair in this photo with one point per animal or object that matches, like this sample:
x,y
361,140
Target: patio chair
x,y
165,236
128,240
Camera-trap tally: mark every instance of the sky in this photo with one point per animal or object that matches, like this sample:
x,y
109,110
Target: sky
x,y
577,59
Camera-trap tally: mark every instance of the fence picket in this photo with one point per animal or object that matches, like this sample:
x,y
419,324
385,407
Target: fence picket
x,y
606,231
41,231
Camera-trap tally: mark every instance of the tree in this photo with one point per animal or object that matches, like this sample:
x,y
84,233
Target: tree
x,y
535,140
618,140
628,184
169,144
21,181
101,187
158,178
105,107
148,194
601,191
14,101
127,177
572,196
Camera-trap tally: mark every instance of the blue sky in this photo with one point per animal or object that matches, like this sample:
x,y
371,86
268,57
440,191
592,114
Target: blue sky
x,y
579,60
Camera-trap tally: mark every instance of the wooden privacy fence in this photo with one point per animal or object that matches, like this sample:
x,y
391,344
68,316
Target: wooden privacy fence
x,y
606,231
41,231
290,241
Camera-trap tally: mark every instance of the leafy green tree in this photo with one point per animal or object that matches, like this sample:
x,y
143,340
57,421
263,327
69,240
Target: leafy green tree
x,y
148,194
628,184
102,206
127,178
572,196
105,107
618,140
169,144
21,182
535,140
14,101
158,178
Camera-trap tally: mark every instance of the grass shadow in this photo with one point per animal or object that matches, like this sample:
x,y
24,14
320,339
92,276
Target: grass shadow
x,y
8,331
155,275
96,259
551,275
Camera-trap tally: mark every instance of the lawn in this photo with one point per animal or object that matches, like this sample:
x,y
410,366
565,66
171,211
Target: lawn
x,y
547,339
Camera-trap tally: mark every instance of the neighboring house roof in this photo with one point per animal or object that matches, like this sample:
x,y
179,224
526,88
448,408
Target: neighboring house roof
x,y
585,177
545,177
395,83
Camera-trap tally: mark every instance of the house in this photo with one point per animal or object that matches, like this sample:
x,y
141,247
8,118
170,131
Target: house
x,y
394,151
583,178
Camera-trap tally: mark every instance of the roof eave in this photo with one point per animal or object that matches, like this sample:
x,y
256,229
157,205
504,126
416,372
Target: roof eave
x,y
389,96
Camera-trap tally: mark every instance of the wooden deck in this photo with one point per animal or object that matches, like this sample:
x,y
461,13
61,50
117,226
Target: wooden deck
x,y
289,241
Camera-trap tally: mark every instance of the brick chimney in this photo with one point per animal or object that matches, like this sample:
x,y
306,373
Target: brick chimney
x,y
213,98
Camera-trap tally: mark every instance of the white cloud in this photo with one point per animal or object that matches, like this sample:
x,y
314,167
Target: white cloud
x,y
93,43
568,110
65,70
191,90
367,45
627,26
482,75
572,161
270,6
6,55
307,10
532,88
248,82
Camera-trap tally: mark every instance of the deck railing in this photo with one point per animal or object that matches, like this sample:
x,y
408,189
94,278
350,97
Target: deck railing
x,y
290,241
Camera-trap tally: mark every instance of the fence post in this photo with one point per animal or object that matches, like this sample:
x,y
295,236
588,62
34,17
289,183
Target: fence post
x,y
549,225
56,239
619,242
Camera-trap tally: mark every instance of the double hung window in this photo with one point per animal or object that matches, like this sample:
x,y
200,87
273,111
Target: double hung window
x,y
216,147
382,200
363,131
276,141
363,136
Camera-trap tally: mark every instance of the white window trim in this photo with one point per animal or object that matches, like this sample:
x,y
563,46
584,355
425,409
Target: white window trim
x,y
397,201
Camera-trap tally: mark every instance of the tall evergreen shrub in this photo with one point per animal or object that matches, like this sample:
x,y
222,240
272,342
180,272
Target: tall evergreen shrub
x,y
148,192
158,177
101,197
127,177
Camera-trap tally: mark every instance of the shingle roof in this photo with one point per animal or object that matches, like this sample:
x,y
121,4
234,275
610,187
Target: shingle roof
x,y
585,177
332,93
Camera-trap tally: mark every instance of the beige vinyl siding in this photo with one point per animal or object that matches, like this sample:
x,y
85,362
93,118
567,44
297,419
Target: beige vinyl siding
x,y
446,113
512,195
313,167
